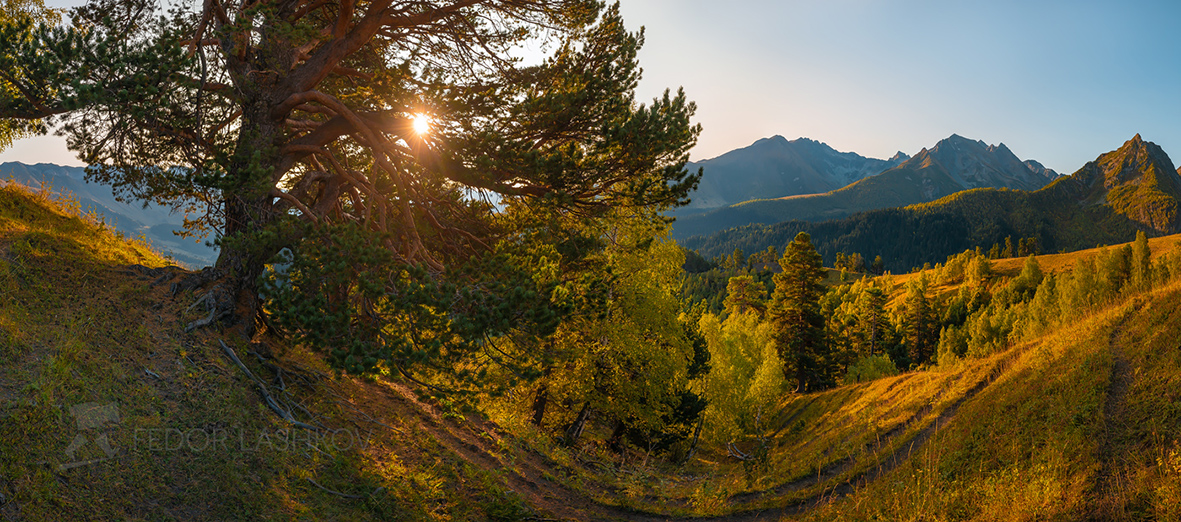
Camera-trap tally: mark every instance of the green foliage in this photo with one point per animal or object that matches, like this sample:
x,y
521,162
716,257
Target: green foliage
x,y
17,20
270,115
1141,262
1027,283
622,351
345,295
919,324
870,368
744,293
746,376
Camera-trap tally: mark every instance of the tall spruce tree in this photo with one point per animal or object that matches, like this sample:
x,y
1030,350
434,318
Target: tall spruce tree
x,y
794,313
920,327
871,320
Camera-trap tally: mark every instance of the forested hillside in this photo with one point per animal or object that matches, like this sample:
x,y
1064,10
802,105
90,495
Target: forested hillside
x,y
1105,202
911,383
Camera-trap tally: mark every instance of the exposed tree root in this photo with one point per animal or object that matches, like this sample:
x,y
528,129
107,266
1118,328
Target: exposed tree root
x,y
266,395
218,302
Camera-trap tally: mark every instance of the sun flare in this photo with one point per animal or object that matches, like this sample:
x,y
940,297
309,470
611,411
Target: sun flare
x,y
422,124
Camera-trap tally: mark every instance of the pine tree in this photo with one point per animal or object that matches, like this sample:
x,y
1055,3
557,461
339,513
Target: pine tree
x,y
919,326
794,313
19,16
871,316
743,294
303,124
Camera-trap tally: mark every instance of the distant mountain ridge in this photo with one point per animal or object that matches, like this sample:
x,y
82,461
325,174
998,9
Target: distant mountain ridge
x,y
156,224
952,165
1135,187
776,167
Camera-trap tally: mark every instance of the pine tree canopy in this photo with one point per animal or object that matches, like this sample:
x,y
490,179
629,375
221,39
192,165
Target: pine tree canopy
x,y
402,150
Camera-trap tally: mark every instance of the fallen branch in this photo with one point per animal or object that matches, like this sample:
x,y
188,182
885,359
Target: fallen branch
x,y
736,453
284,414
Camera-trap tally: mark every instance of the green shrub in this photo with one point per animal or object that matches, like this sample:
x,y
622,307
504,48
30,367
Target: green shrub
x,y
869,368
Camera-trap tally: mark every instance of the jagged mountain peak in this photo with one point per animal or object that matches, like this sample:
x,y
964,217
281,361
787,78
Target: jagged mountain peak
x,y
1041,170
1138,152
778,167
1135,159
953,165
974,164
1137,180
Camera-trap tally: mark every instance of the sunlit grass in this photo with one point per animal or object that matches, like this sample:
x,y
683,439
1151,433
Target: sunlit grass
x,y
77,325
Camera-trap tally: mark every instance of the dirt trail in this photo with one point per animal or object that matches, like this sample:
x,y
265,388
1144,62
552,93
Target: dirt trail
x,y
478,442
886,462
1114,423
486,446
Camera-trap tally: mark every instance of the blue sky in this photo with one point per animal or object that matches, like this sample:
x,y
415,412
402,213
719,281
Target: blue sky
x,y
1059,82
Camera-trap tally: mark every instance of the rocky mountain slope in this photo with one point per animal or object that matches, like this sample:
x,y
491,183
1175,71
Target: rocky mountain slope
x,y
952,165
776,167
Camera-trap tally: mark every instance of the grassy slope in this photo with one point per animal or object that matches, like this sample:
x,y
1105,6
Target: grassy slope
x,y
1083,420
77,325
1082,423
1011,267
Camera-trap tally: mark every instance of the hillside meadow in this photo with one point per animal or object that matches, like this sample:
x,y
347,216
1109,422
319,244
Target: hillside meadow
x,y
1079,422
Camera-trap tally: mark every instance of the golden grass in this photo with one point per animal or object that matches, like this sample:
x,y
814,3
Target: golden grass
x,y
1033,444
1011,267
1083,420
78,326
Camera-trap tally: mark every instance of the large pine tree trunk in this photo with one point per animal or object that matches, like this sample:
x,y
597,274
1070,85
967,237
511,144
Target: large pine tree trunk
x,y
696,437
230,287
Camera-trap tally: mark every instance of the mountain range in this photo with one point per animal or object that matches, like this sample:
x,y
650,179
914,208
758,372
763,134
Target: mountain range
x,y
952,165
776,167
1135,187
154,223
